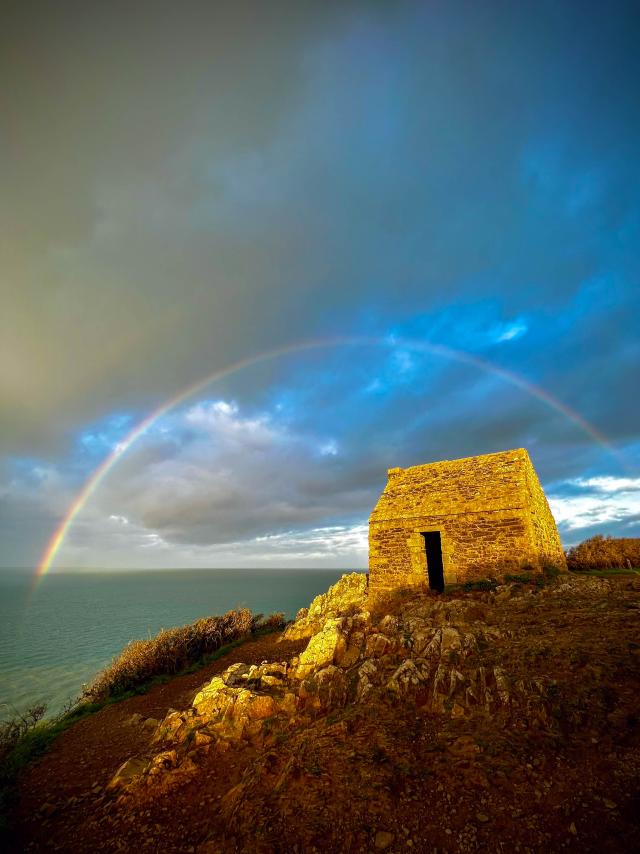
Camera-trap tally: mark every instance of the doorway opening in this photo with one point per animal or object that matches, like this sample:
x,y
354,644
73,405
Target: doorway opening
x,y
435,569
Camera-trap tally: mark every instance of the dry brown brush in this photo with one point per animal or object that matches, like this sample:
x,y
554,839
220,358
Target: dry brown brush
x,y
604,553
174,650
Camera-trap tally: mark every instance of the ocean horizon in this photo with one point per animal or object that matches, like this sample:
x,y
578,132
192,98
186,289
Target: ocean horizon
x,y
58,632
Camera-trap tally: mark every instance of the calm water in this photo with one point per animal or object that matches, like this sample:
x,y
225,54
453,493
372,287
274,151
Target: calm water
x,y
56,638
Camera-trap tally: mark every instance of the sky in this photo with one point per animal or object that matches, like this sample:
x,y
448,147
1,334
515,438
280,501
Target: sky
x,y
416,225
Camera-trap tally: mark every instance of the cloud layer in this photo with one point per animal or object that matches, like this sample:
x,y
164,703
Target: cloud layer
x,y
189,185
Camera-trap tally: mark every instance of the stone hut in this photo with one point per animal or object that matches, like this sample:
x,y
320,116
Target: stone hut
x,y
461,520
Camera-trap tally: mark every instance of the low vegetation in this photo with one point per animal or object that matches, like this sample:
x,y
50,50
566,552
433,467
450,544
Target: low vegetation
x,y
598,553
24,735
175,650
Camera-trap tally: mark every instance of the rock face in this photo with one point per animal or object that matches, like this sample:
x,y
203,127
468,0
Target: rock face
x,y
490,513
427,654
347,595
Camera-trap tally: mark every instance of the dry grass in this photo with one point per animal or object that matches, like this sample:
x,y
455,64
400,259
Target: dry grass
x,y
604,553
173,650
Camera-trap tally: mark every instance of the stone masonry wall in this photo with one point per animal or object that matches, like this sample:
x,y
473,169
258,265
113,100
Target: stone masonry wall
x,y
489,482
491,512
474,546
547,542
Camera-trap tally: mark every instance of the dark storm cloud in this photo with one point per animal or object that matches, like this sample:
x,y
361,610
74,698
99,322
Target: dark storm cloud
x,y
186,185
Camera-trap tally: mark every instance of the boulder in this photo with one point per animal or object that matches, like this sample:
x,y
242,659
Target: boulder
x,y
324,648
377,645
208,698
352,652
368,676
406,678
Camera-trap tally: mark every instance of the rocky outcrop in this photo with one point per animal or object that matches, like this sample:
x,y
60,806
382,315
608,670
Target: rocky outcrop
x,y
428,654
434,723
345,597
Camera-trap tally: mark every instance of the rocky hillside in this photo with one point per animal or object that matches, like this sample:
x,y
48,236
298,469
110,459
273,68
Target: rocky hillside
x,y
503,720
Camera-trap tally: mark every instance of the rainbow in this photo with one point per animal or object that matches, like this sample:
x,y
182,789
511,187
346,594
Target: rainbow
x,y
96,478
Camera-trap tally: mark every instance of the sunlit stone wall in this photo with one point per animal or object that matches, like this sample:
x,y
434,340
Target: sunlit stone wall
x,y
490,510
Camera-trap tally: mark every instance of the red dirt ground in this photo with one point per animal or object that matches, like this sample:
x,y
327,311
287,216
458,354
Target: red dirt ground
x,y
380,776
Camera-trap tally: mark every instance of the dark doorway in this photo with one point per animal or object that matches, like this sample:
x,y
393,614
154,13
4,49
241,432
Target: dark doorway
x,y
433,548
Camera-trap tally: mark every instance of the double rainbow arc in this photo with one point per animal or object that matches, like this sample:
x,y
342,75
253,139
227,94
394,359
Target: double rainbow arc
x,y
96,478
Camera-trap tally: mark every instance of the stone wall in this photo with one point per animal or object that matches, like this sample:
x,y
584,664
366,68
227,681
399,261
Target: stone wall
x,y
492,516
489,482
547,546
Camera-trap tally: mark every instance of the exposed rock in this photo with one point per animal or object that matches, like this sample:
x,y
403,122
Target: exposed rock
x,y
377,645
443,708
324,648
406,678
368,676
352,652
347,595
424,651
389,624
129,771
165,760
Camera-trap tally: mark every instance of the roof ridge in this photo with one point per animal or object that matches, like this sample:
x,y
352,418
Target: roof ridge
x,y
511,451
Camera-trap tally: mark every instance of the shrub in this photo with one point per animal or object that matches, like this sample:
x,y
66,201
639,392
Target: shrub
x,y
15,728
604,553
274,622
173,650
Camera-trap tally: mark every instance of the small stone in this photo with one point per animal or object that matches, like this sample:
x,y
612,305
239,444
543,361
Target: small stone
x,y
573,829
482,817
127,772
610,805
383,839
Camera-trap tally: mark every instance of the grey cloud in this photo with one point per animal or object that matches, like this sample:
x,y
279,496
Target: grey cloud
x,y
240,477
191,185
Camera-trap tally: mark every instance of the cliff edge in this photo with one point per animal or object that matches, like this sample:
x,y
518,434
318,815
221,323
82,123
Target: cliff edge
x,y
463,722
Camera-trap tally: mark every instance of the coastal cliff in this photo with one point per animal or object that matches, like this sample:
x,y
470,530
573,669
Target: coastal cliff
x,y
461,722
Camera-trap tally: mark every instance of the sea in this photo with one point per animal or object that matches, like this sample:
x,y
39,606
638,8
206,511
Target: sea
x,y
56,636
